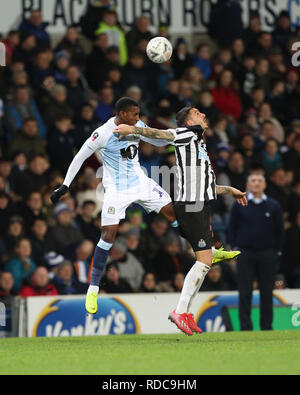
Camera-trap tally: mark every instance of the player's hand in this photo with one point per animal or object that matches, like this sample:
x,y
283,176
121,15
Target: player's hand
x,y
124,130
58,193
240,197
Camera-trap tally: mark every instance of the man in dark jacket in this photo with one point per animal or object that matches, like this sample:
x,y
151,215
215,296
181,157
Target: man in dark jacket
x,y
140,31
33,178
27,140
257,231
65,234
37,27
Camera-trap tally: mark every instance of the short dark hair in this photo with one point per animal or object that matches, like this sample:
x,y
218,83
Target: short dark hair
x,y
124,104
88,203
182,116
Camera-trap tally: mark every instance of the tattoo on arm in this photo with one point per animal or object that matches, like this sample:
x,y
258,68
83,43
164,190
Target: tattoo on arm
x,y
222,190
154,133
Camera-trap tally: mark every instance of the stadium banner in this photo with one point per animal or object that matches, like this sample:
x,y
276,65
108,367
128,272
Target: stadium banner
x,y
182,16
147,313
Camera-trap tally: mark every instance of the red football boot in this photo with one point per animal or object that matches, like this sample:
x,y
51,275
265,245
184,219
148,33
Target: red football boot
x,y
181,321
192,324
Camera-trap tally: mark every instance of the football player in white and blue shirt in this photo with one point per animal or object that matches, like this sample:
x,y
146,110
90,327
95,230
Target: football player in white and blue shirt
x,y
124,182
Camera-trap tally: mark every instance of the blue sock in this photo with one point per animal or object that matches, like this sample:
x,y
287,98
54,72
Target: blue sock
x,y
100,258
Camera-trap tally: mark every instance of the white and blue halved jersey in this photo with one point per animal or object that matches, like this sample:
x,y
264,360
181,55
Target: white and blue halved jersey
x,y
195,178
121,166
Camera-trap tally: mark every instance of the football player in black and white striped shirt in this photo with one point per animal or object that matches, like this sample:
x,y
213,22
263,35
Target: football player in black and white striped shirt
x,y
195,188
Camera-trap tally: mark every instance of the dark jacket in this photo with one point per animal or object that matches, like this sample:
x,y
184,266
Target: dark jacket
x,y
257,226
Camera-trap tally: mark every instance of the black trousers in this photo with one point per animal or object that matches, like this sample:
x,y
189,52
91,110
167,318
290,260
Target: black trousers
x,y
260,265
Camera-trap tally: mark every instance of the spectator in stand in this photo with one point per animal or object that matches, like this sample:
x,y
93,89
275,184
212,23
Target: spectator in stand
x,y
72,44
6,287
151,240
129,267
226,22
64,233
148,283
170,260
214,280
41,241
247,149
105,108
203,60
283,32
164,116
116,37
27,140
182,59
85,221
65,282
135,73
37,27
257,231
96,61
7,209
77,89
60,144
291,158
21,265
271,157
22,107
238,54
32,209
234,176
140,31
39,284
58,106
26,50
11,42
41,68
33,178
85,125
291,266
263,45
277,188
262,74
294,202
112,282
207,106
62,62
82,264
225,96
15,231
94,13
252,32
177,282
265,114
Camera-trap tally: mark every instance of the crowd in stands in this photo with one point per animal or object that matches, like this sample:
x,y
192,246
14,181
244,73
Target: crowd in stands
x,y
53,96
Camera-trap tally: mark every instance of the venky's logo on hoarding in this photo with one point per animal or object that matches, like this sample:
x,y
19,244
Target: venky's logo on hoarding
x,y
209,317
68,318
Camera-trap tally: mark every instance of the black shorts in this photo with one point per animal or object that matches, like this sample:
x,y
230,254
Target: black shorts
x,y
195,226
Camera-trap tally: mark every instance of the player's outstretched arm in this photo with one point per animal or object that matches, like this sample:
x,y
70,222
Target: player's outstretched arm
x,y
239,196
84,153
157,134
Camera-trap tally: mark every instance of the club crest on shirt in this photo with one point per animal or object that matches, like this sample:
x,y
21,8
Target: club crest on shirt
x,y
201,243
111,210
95,136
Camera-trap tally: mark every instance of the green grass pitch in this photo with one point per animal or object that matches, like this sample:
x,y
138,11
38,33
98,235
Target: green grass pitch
x,y
210,353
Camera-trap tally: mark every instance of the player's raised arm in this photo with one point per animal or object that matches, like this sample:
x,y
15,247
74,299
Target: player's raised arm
x,y
125,130
84,153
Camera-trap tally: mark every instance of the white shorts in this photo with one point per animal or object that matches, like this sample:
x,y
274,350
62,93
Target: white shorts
x,y
148,194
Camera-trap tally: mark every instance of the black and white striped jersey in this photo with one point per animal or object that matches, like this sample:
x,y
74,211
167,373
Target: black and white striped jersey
x,y
195,178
